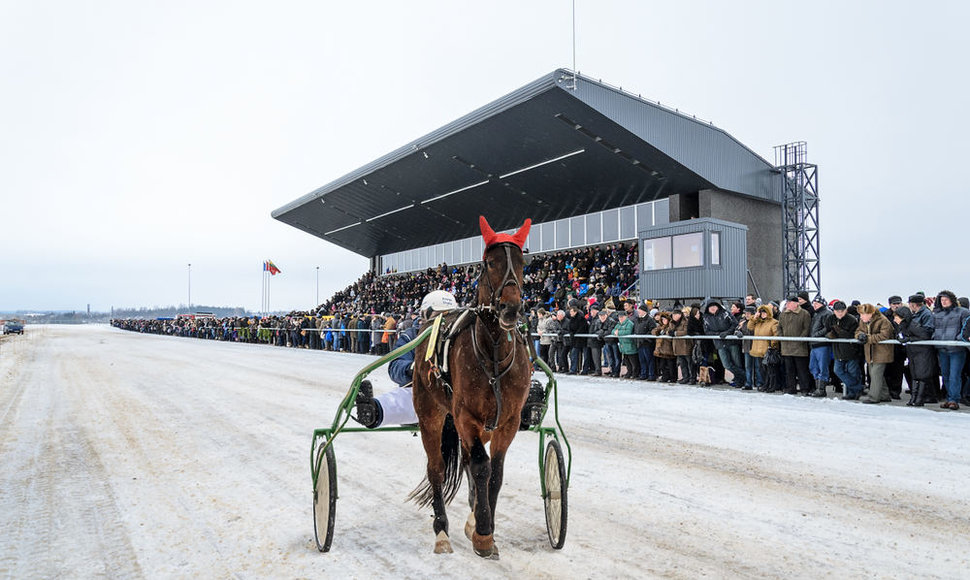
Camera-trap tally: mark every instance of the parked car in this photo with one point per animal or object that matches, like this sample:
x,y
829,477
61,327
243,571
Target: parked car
x,y
13,327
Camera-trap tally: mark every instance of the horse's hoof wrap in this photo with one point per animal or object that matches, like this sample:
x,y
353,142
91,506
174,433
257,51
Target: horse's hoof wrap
x,y
442,545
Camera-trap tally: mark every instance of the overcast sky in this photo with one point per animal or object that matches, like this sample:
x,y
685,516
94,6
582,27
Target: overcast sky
x,y
138,137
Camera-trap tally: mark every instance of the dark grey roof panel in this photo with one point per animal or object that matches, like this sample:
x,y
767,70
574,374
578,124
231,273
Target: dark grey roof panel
x,y
543,151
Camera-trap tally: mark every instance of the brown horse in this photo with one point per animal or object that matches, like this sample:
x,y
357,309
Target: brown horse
x,y
481,402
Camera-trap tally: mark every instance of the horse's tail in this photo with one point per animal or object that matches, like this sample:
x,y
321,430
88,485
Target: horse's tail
x,y
451,454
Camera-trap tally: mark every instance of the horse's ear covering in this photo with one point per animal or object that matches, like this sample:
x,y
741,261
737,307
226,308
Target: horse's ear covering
x,y
487,233
523,234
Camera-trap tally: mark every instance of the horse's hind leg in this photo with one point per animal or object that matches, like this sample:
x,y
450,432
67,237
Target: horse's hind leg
x,y
431,439
480,469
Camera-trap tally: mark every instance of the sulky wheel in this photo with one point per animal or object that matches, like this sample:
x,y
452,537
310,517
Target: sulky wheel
x,y
325,498
554,477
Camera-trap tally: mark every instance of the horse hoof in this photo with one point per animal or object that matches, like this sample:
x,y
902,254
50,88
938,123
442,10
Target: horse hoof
x,y
470,526
485,546
490,554
442,545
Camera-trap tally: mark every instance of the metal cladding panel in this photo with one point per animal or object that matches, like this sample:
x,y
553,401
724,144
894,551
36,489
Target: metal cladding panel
x,y
700,146
729,280
542,151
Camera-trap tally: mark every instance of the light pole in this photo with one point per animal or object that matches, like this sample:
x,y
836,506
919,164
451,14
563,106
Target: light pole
x,y
190,286
317,303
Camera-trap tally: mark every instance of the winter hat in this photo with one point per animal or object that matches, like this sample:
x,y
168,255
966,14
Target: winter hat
x,y
838,305
794,298
819,300
917,299
895,300
867,309
750,309
803,295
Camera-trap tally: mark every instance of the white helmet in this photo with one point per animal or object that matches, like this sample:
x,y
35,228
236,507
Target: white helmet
x,y
438,301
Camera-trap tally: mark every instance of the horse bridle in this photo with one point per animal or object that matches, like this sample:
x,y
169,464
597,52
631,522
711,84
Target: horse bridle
x,y
496,372
508,279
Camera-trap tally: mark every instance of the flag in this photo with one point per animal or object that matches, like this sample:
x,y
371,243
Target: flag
x,y
269,266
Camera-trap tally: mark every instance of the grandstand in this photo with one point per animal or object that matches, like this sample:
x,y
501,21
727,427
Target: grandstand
x,y
592,165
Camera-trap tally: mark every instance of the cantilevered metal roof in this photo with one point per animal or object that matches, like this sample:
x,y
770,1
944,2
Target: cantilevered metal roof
x,y
557,147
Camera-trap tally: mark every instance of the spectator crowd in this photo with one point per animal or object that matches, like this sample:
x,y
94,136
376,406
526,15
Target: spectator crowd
x,y
585,322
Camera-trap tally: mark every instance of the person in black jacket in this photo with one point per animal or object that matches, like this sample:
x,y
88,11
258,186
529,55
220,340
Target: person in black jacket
x,y
644,324
915,324
576,324
844,325
595,345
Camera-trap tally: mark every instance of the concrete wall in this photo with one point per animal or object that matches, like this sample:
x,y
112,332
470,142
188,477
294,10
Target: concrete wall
x,y
764,222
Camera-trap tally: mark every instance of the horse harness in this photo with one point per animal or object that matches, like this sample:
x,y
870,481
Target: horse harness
x,y
492,364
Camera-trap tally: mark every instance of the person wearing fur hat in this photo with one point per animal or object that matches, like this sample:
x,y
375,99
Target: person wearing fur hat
x,y
948,321
873,329
844,324
682,348
795,321
719,322
923,362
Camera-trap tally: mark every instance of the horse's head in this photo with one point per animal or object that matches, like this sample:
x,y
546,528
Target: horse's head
x,y
500,283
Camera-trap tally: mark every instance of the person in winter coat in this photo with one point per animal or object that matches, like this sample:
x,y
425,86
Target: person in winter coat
x,y
843,324
718,321
611,349
644,324
576,324
873,329
628,346
948,324
682,348
555,330
595,344
764,324
545,335
753,377
795,321
821,352
663,352
915,323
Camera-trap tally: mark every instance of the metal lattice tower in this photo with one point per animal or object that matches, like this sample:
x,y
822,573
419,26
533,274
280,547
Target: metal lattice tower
x,y
800,245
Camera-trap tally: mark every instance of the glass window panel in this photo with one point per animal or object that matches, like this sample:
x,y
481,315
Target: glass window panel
x,y
656,253
478,248
594,230
715,248
439,254
611,225
628,226
661,212
534,243
548,237
449,257
644,216
466,250
416,259
577,231
688,250
562,233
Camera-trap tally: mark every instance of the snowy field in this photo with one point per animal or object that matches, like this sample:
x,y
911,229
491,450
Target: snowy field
x,y
128,455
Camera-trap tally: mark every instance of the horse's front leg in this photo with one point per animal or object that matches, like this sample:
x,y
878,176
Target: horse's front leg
x,y
480,468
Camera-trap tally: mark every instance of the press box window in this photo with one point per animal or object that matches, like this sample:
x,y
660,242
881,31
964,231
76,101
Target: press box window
x,y
656,254
715,248
688,250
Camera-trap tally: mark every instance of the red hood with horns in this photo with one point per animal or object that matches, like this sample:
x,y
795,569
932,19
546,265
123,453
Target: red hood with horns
x,y
491,238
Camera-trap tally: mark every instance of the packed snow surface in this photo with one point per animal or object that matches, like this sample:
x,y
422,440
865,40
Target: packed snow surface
x,y
130,455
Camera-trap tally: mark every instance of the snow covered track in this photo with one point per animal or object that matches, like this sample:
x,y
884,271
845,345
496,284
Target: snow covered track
x,y
130,455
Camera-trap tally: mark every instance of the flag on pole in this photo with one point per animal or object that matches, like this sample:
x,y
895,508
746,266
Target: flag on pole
x,y
269,266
